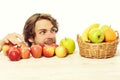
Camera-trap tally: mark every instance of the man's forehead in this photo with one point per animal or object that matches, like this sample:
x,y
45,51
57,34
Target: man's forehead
x,y
44,24
41,29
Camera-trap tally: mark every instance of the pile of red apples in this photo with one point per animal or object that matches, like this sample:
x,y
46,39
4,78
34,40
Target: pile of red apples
x,y
15,53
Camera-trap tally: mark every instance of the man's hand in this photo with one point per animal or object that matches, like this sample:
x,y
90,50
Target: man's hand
x,y
14,38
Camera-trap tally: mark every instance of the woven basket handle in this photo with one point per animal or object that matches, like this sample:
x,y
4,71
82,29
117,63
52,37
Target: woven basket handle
x,y
79,38
117,34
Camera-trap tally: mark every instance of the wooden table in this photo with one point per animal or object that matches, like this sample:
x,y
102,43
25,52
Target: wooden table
x,y
72,67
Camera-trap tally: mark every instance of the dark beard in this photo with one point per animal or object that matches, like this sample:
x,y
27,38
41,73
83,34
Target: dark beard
x,y
49,41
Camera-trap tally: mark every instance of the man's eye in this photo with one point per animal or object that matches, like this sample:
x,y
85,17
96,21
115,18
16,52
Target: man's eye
x,y
54,30
42,32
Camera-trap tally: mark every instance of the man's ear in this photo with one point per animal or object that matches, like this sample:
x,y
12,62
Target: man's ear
x,y
31,40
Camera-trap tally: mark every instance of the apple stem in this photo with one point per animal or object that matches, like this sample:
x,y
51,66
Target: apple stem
x,y
65,38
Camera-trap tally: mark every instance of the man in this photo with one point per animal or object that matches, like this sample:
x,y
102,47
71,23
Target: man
x,y
38,29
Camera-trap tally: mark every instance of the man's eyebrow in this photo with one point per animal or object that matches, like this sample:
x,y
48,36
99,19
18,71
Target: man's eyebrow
x,y
42,29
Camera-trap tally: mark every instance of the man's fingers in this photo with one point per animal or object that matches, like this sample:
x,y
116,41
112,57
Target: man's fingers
x,y
14,38
6,41
19,37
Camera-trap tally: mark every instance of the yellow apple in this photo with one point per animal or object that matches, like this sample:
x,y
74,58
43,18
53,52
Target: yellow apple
x,y
61,51
5,48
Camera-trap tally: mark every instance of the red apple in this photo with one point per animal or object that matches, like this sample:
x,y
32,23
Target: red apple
x,y
14,54
61,51
36,51
9,49
42,45
24,52
48,50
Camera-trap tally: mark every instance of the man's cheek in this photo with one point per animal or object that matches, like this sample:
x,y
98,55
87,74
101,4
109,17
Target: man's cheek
x,y
39,40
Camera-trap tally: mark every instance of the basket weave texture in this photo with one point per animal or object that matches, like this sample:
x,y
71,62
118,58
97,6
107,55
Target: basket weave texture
x,y
97,50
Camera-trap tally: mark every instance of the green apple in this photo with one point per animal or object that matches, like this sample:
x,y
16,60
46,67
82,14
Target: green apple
x,y
61,51
96,35
104,27
69,44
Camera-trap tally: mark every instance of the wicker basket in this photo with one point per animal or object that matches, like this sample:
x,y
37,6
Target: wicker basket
x,y
97,50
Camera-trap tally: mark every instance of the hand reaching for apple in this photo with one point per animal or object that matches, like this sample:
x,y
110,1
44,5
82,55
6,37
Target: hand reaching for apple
x,y
14,38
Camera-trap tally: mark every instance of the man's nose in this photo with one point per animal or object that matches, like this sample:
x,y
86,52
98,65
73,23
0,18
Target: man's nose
x,y
50,34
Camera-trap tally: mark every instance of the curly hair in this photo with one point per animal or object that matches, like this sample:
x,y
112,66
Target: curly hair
x,y
29,28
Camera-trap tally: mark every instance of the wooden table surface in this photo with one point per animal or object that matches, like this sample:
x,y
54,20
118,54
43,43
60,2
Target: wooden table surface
x,y
72,67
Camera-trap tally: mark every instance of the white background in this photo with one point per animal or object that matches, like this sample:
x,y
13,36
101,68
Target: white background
x,y
73,17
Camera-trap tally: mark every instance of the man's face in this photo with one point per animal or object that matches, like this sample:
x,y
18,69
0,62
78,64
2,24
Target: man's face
x,y
44,32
